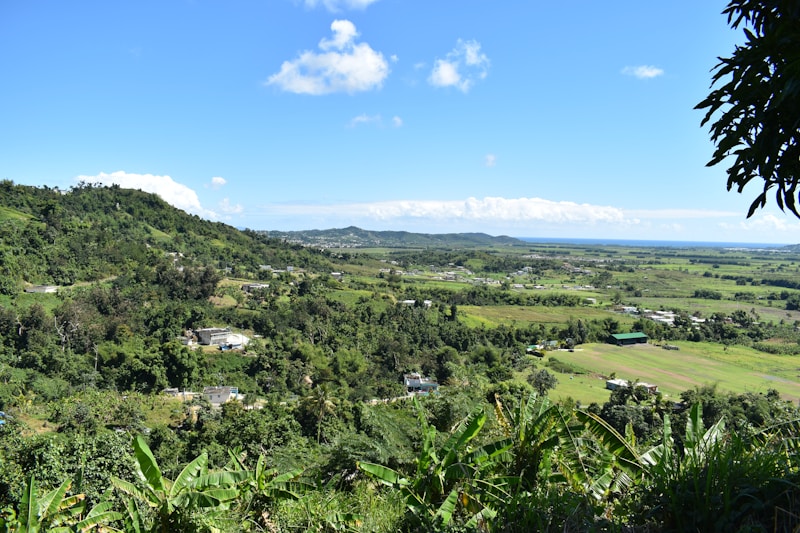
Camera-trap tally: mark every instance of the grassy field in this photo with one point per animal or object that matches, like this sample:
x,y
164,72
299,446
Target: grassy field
x,y
24,300
7,213
737,369
158,409
506,314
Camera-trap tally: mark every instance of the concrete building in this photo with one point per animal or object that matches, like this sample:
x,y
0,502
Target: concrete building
x,y
213,336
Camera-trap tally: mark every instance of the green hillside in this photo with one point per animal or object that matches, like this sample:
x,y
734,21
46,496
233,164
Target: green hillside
x,y
90,233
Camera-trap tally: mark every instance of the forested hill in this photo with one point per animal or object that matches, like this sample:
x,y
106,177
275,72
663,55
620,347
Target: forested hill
x,y
88,233
353,237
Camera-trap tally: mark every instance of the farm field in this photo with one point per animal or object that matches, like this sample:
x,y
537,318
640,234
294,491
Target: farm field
x,y
738,369
506,314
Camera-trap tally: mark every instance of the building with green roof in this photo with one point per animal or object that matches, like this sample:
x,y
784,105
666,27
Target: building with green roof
x,y
625,339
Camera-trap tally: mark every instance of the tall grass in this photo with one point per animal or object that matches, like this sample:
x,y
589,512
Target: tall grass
x,y
713,481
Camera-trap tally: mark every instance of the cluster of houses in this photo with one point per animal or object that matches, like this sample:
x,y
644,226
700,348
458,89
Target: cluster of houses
x,y
539,349
662,317
455,274
215,395
415,383
411,303
576,270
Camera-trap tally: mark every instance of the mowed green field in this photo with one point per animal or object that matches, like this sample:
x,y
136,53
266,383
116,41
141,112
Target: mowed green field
x,y
506,314
738,369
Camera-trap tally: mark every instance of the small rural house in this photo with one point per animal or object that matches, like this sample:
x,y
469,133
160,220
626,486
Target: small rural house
x,y
42,289
535,349
625,339
614,384
250,287
416,383
219,395
235,341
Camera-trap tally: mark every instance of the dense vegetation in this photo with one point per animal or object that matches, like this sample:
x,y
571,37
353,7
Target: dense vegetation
x,y
325,437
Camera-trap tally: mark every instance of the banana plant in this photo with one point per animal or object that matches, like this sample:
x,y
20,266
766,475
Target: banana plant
x,y
264,487
692,486
697,444
268,482
615,465
174,502
549,445
55,511
450,477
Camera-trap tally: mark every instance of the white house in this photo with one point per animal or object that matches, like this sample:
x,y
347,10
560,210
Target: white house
x,y
250,287
219,395
614,384
416,383
42,289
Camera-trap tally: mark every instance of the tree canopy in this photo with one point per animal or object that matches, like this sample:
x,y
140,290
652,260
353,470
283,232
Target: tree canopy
x,y
755,107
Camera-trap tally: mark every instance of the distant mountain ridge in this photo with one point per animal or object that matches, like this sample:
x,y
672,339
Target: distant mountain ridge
x,y
354,237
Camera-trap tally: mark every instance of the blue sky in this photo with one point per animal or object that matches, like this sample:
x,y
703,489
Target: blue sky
x,y
522,118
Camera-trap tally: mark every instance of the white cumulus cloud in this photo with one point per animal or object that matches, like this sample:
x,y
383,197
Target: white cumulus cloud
x,y
488,209
643,72
217,182
344,33
461,68
342,65
397,121
172,192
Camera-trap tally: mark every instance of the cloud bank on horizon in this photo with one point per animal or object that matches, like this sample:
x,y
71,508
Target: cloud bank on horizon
x,y
511,216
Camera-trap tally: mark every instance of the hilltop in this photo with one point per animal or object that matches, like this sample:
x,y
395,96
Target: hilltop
x,y
88,233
